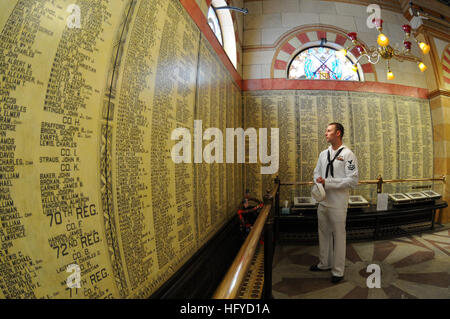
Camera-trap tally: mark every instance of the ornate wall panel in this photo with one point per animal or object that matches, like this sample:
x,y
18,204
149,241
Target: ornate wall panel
x,y
85,150
390,135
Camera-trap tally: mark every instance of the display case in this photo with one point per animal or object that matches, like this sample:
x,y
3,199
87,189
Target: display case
x,y
399,198
400,192
306,202
413,205
432,194
357,201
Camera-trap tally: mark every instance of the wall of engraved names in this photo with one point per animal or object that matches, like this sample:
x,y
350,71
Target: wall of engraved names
x,y
85,125
390,135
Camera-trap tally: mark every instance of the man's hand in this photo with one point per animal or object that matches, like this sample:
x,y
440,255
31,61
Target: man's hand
x,y
320,180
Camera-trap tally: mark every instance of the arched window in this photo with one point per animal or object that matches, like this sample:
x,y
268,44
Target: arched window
x,y
214,24
221,23
322,63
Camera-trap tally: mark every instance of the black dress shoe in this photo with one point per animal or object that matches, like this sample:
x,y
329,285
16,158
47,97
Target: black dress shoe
x,y
316,268
336,279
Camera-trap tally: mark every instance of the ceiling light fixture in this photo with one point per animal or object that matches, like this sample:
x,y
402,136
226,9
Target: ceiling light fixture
x,y
384,50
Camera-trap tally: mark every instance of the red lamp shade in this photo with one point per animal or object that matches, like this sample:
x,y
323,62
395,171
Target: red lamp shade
x,y
378,22
353,36
406,28
407,45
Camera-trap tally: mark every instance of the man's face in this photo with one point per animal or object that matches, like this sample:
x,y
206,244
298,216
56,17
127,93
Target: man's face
x,y
331,134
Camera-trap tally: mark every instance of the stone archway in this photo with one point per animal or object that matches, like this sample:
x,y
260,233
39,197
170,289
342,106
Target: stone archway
x,y
297,39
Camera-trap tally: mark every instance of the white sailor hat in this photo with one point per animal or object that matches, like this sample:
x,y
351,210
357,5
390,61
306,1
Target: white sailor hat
x,y
318,192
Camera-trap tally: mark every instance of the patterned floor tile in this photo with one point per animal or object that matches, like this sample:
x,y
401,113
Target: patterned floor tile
x,y
411,267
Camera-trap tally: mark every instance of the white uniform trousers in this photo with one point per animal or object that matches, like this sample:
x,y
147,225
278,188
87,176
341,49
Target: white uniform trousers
x,y
332,239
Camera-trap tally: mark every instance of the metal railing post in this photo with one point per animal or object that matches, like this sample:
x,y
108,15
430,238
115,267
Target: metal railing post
x,y
229,287
268,246
277,197
379,184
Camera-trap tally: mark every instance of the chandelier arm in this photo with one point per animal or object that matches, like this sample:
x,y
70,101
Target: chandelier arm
x,y
416,58
404,57
398,55
364,55
372,55
387,52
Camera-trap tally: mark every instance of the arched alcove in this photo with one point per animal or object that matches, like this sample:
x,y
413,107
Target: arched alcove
x,y
323,62
298,39
446,66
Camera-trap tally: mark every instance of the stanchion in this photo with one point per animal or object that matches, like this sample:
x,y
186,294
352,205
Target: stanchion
x,y
268,247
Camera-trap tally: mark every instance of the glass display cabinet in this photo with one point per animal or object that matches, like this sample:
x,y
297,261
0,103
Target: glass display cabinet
x,y
412,205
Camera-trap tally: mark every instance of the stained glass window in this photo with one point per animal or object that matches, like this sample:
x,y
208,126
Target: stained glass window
x,y
214,24
322,63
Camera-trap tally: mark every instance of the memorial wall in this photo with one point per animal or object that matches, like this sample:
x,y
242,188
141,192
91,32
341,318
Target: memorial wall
x,y
391,136
90,93
89,97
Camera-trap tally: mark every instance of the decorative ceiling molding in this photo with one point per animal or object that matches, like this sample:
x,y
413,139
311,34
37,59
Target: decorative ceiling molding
x,y
434,30
332,85
434,94
438,14
428,6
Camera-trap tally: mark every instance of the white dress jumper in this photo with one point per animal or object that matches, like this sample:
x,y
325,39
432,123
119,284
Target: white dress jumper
x,y
332,211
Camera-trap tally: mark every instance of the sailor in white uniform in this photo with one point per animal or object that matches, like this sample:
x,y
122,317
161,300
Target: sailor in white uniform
x,y
337,171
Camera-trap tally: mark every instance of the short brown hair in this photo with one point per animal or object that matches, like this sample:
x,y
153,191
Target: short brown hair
x,y
338,127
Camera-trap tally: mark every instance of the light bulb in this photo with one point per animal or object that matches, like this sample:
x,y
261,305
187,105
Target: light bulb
x,y
390,75
341,53
424,47
382,40
422,66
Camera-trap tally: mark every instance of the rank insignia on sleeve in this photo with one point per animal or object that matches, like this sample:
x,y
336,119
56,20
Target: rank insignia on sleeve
x,y
350,165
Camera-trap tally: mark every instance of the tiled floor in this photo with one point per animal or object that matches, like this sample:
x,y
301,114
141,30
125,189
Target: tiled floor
x,y
416,266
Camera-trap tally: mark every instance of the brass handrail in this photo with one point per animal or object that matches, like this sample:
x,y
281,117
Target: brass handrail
x,y
376,181
229,287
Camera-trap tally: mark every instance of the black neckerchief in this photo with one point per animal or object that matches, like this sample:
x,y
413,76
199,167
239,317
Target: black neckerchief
x,y
330,163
